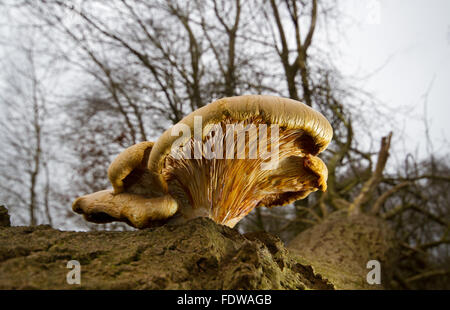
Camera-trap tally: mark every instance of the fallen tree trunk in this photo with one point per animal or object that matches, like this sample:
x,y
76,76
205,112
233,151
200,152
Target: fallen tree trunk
x,y
199,254
340,247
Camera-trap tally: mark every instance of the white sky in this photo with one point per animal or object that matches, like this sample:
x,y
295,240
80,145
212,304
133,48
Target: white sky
x,y
412,39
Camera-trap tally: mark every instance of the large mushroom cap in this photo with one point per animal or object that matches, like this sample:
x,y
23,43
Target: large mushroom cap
x,y
287,113
153,184
227,189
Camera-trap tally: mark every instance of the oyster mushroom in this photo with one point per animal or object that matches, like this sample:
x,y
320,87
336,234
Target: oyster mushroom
x,y
135,198
234,154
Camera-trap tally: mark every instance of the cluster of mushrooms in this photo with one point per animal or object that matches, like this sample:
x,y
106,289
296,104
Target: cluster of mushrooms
x,y
154,185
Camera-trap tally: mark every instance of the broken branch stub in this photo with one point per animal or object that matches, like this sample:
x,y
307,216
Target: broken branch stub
x,y
221,161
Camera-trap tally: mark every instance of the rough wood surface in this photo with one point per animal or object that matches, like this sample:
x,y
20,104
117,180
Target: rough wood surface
x,y
199,254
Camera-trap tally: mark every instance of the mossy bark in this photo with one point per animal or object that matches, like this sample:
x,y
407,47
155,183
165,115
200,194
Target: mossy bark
x,y
196,255
340,247
199,254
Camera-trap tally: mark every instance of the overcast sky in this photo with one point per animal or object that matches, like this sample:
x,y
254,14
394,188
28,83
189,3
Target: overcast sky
x,y
410,41
411,38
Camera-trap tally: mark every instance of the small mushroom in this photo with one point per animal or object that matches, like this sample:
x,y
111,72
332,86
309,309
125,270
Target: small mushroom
x,y
135,199
211,171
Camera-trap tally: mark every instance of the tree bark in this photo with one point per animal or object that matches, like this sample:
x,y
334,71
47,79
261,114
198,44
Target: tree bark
x,y
195,255
340,247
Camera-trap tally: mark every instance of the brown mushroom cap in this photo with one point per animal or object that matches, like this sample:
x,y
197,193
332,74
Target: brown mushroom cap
x,y
136,210
227,189
136,198
287,113
128,160
294,179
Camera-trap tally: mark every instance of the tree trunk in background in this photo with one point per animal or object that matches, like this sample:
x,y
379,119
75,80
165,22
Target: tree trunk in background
x,y
340,247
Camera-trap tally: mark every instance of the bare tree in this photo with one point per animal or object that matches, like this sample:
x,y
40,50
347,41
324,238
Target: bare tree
x,y
24,104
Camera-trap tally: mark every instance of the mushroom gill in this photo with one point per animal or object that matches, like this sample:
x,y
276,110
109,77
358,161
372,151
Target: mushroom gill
x,y
227,189
239,153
